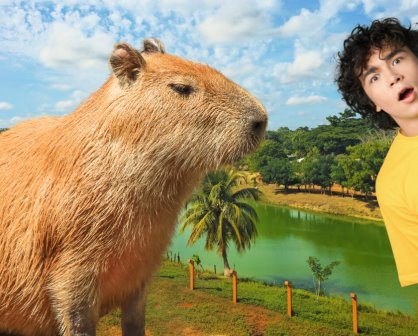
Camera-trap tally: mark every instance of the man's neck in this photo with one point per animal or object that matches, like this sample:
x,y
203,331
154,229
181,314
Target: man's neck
x,y
408,128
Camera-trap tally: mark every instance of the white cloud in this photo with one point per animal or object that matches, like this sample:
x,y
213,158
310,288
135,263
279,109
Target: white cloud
x,y
6,123
68,104
402,9
306,65
313,23
68,47
238,21
306,21
306,100
16,120
60,87
5,106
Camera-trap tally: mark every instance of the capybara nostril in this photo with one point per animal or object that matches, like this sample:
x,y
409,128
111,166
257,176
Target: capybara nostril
x,y
258,126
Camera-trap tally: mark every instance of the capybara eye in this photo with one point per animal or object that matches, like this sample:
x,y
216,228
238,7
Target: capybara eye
x,y
182,89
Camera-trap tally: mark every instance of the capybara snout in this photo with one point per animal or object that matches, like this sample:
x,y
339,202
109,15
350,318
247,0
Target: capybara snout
x,y
90,200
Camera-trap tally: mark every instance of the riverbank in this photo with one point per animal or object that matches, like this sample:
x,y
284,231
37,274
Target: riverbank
x,y
173,309
331,204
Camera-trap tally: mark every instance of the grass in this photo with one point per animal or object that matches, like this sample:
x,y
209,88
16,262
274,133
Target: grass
x,y
173,309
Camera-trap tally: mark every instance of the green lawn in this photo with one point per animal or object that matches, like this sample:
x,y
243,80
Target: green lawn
x,y
173,309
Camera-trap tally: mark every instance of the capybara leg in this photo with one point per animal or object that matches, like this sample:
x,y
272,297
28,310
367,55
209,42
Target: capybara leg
x,y
75,302
133,314
82,324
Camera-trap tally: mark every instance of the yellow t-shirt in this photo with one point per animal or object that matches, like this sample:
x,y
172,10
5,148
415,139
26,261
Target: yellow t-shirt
x,y
397,194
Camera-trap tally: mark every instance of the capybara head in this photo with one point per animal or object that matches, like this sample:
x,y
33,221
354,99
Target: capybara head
x,y
194,115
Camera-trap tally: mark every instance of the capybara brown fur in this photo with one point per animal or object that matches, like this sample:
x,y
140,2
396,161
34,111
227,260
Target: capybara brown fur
x,y
89,201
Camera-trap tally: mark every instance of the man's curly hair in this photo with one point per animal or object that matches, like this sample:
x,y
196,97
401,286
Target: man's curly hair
x,y
355,55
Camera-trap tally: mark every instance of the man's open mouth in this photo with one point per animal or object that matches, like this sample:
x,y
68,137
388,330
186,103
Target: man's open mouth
x,y
405,93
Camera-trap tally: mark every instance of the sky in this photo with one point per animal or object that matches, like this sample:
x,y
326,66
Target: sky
x,y
54,54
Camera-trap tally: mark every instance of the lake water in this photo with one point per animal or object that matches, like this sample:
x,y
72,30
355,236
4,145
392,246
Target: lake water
x,y
287,237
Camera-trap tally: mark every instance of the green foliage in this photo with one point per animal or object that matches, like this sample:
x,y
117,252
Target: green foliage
x,y
279,171
320,274
316,169
348,151
197,261
338,174
268,150
362,164
218,212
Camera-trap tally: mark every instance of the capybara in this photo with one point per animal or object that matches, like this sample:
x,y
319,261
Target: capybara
x,y
89,201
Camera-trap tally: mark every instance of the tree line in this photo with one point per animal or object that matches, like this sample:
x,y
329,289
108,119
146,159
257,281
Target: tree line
x,y
348,151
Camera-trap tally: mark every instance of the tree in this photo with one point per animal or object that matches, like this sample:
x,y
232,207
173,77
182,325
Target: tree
x,y
344,130
279,171
316,169
363,163
218,211
337,171
268,150
198,263
320,274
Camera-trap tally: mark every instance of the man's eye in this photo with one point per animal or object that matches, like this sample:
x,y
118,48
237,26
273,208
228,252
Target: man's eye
x,y
374,79
396,61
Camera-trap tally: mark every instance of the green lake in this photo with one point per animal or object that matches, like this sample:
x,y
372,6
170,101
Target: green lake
x,y
287,237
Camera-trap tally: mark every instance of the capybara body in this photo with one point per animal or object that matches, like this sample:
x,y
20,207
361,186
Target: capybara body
x,y
89,201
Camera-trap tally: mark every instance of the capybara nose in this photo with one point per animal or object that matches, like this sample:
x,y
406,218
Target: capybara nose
x,y
257,122
258,126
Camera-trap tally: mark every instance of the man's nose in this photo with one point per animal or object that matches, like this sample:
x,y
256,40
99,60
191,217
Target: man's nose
x,y
395,78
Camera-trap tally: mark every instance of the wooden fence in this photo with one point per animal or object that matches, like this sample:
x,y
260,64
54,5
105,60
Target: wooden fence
x,y
288,286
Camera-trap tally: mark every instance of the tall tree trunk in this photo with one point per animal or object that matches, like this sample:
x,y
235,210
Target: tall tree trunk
x,y
227,269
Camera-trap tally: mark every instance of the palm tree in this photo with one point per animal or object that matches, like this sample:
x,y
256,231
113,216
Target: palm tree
x,y
219,211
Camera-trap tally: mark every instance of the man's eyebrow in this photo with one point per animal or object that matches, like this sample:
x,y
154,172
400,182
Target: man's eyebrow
x,y
386,58
393,53
368,72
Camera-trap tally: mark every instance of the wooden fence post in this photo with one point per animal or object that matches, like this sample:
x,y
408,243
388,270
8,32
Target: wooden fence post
x,y
355,314
288,284
178,257
214,268
191,263
234,287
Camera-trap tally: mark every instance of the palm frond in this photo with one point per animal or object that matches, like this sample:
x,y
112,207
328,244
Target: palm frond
x,y
203,226
249,210
247,193
233,218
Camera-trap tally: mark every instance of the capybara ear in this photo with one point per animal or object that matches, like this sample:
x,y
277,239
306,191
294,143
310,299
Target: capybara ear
x,y
126,63
153,45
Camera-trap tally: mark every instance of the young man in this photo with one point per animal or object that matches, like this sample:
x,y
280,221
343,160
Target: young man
x,y
377,75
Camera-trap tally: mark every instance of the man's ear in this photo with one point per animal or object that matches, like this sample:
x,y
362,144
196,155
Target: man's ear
x,y
126,63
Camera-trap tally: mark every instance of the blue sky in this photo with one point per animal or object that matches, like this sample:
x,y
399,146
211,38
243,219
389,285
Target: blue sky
x,y
54,53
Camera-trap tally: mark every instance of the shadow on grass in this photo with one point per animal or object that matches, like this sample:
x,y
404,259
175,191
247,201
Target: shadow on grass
x,y
217,289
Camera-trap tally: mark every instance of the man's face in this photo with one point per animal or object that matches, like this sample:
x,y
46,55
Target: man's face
x,y
390,80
